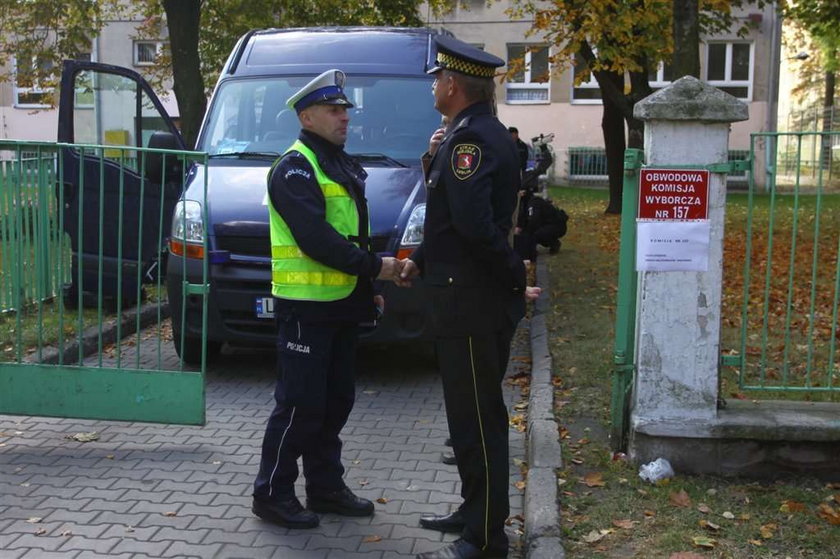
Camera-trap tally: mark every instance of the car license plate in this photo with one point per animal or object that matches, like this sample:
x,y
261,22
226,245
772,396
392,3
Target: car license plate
x,y
265,307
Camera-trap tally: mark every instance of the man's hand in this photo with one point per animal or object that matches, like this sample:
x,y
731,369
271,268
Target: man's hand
x,y
391,268
409,272
532,293
435,140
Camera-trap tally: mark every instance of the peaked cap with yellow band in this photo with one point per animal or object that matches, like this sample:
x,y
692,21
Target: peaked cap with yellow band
x,y
458,56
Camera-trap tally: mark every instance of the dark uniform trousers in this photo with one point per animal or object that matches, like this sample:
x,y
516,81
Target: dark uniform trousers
x,y
472,369
314,396
473,348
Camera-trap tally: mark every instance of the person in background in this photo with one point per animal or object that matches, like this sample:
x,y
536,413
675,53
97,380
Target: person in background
x,y
477,291
322,271
521,148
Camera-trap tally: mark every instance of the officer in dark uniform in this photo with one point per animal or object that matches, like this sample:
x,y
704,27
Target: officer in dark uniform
x,y
322,272
476,284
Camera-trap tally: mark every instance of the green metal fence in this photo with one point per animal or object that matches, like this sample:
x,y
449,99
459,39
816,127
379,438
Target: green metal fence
x,y
588,166
25,215
625,310
85,328
781,334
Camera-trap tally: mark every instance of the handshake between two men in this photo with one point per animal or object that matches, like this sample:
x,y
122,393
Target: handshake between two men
x,y
403,271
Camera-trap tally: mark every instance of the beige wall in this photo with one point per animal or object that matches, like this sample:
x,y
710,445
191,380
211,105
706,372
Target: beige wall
x,y
114,46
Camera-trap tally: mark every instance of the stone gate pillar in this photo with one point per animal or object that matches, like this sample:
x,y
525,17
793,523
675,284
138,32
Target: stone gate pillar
x,y
678,330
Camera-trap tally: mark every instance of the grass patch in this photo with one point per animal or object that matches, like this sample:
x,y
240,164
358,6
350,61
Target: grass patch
x,y
40,325
607,510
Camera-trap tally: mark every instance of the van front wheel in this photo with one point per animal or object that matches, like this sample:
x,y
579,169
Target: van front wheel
x,y
191,354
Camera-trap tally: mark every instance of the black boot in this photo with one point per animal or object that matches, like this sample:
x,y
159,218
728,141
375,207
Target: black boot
x,y
288,513
342,502
462,549
452,522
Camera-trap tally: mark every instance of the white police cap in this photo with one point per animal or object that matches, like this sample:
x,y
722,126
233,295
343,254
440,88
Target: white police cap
x,y
326,89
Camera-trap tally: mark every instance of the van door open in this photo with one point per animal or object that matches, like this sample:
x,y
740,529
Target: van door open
x,y
117,201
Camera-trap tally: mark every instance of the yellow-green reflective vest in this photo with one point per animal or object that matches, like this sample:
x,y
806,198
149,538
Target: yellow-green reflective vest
x,y
296,276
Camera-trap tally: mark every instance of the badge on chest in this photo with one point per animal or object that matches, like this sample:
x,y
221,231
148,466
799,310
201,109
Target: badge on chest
x,y
466,159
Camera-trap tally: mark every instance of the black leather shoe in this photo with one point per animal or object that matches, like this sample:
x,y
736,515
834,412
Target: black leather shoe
x,y
448,458
342,502
452,522
288,513
462,549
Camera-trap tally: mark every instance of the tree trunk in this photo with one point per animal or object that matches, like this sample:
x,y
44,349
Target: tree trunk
x,y
686,61
612,125
639,89
183,18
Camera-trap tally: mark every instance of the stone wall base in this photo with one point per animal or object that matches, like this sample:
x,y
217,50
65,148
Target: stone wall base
x,y
760,440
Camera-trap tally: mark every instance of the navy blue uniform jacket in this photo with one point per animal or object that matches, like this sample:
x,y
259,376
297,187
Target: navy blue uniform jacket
x,y
475,279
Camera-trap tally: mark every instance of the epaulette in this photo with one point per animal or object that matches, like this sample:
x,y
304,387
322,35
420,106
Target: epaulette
x,y
463,123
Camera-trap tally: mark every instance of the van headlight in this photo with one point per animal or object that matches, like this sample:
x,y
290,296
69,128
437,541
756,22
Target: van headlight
x,y
187,230
413,234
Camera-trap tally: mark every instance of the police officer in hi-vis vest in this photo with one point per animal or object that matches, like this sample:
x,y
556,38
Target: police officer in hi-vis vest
x,y
322,272
477,291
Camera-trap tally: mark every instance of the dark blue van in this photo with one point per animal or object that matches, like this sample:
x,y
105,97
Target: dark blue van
x,y
248,125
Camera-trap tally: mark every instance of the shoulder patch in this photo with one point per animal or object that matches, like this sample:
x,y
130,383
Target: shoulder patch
x,y
465,160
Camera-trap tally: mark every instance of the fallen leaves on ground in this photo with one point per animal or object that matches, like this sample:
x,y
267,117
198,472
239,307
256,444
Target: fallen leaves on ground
x,y
594,479
792,506
704,541
625,524
767,531
382,500
520,485
708,525
829,514
679,499
596,535
518,421
371,539
84,437
686,555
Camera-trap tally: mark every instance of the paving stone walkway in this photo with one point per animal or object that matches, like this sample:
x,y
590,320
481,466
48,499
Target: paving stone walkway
x,y
154,491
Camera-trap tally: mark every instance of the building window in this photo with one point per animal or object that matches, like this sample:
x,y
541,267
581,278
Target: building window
x,y
661,77
146,52
29,92
530,83
586,92
729,67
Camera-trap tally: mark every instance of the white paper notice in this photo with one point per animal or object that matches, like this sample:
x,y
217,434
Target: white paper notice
x,y
672,246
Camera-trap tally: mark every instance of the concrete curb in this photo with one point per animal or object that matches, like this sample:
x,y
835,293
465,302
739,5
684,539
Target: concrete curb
x,y
90,337
542,513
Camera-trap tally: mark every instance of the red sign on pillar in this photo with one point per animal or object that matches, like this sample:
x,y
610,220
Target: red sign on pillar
x,y
673,194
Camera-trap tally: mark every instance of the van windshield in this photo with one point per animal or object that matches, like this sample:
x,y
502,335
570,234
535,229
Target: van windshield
x,y
392,117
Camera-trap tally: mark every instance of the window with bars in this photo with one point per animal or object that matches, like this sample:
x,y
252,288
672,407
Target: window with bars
x,y
146,52
530,84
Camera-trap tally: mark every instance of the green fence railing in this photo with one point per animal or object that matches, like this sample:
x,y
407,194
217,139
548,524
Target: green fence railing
x,y
29,243
85,327
783,334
